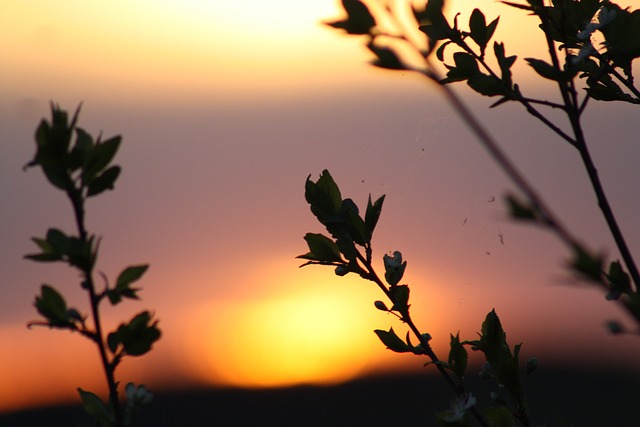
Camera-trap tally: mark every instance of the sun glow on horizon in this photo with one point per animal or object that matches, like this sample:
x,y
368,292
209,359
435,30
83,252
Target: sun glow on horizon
x,y
310,335
298,339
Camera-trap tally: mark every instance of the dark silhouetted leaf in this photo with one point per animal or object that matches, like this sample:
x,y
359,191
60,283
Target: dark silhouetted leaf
x,y
137,336
457,356
392,341
359,18
104,181
321,249
373,214
387,57
94,406
545,69
587,264
323,196
99,157
52,306
486,85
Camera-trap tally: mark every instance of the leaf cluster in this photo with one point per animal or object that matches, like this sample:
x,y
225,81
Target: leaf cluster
x,y
73,162
341,218
80,165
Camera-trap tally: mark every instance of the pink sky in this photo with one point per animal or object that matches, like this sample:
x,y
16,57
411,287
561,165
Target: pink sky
x,y
222,124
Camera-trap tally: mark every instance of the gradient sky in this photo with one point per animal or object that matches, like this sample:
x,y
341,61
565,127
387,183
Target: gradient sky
x,y
225,109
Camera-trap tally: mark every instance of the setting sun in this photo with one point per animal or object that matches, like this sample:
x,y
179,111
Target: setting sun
x,y
225,108
305,336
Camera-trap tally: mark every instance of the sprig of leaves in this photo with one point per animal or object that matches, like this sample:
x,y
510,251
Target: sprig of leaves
x,y
75,163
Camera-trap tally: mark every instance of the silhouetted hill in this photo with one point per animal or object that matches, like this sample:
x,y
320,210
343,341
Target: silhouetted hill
x,y
586,398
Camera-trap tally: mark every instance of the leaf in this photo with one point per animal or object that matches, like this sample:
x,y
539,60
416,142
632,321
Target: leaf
x,y
400,296
137,336
619,280
457,356
519,210
372,214
48,252
52,306
545,69
99,157
387,58
622,36
359,19
466,66
439,28
493,336
78,155
93,405
323,196
505,62
321,249
104,181
480,32
130,275
486,85
392,341
587,264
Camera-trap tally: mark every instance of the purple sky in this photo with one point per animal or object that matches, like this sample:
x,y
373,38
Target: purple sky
x,y
211,196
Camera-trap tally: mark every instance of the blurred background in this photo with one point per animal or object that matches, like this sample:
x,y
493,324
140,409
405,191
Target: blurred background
x,y
225,109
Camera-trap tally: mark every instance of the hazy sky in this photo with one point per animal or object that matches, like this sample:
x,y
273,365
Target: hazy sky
x,y
225,109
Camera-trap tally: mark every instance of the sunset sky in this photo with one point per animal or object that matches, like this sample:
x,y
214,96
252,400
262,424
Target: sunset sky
x,y
225,108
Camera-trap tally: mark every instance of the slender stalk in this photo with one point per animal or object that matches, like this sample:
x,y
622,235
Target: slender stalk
x,y
573,113
456,386
605,207
78,209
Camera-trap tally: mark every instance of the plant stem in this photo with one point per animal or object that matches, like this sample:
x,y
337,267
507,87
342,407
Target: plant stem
x,y
573,113
78,208
456,386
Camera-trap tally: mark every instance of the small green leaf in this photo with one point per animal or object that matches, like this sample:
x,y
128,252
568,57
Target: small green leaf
x,y
99,157
104,181
439,28
505,62
466,66
518,210
130,275
52,306
400,296
323,196
138,336
373,214
486,85
479,31
321,249
359,19
619,280
457,356
392,341
545,69
387,57
94,406
587,264
113,341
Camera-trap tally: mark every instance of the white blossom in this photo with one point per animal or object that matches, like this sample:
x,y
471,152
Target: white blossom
x,y
459,408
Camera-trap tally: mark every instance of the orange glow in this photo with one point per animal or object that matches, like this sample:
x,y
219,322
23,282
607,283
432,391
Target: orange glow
x,y
42,367
312,335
